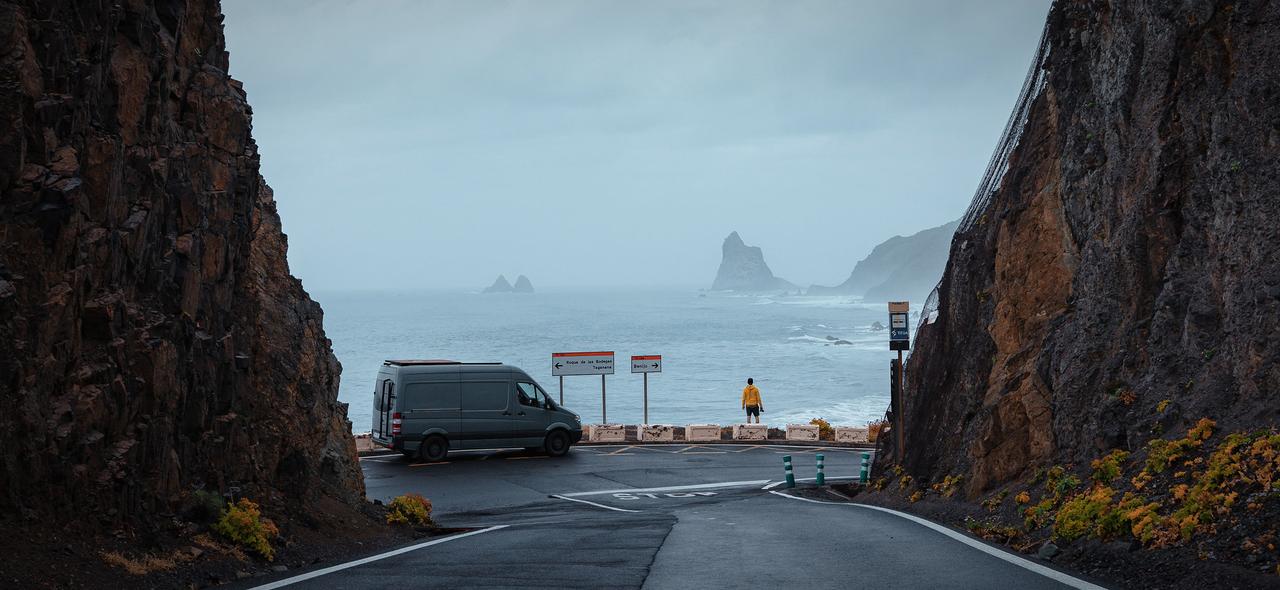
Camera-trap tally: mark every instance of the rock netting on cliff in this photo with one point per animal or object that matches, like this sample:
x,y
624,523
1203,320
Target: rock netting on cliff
x,y
152,340
1129,256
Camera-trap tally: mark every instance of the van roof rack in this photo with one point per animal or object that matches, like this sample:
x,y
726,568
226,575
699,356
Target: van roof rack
x,y
415,362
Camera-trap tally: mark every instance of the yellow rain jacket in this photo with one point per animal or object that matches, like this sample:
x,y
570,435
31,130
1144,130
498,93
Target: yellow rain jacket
x,y
751,396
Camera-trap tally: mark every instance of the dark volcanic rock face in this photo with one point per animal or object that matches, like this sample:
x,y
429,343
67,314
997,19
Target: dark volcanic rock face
x,y
742,268
1131,247
152,340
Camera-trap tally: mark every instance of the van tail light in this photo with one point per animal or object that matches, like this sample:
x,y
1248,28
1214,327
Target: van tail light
x,y
396,420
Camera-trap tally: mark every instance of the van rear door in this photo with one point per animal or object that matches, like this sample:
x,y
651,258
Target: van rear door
x,y
486,413
384,397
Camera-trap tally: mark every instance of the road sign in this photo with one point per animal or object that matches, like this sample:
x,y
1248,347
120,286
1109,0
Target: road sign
x,y
899,325
899,340
646,364
581,363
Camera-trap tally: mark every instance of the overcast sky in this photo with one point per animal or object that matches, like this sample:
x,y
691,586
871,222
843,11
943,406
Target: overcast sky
x,y
427,144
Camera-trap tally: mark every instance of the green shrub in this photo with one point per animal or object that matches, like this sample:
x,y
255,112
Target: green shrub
x,y
410,509
948,486
205,506
242,524
1065,484
1088,514
825,431
1108,468
1162,453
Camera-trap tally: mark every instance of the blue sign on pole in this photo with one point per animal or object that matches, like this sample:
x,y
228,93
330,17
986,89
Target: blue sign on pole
x,y
899,325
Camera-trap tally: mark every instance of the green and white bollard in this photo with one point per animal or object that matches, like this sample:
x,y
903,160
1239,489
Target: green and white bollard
x,y
821,479
786,468
864,475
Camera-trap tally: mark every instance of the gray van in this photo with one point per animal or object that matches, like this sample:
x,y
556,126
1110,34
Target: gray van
x,y
426,407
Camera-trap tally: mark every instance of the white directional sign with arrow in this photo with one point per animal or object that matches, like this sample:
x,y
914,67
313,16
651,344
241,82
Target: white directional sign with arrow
x,y
646,364
581,363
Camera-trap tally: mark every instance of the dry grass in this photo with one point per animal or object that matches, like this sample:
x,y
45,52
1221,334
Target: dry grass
x,y
208,543
145,564
874,428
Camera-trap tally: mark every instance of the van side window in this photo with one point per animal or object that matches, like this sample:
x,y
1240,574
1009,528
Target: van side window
x,y
431,396
528,394
484,395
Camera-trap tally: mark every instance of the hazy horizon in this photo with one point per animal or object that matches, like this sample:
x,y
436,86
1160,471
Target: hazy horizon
x,y
436,145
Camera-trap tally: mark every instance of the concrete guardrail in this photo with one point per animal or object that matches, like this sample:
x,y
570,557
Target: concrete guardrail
x,y
848,434
750,432
656,433
606,432
702,432
808,432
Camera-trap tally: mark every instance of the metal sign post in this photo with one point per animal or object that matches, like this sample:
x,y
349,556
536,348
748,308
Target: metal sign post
x,y
583,363
646,364
900,340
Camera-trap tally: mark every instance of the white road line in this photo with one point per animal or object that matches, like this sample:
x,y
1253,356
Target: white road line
x,y
592,503
381,458
702,486
1050,573
778,483
380,556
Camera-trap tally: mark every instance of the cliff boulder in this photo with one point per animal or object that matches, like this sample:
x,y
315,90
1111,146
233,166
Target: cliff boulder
x,y
1124,279
152,340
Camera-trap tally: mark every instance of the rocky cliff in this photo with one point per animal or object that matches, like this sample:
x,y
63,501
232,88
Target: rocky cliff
x,y
1124,280
152,340
900,268
742,268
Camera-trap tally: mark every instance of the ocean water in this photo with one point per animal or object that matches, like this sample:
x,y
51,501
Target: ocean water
x,y
710,343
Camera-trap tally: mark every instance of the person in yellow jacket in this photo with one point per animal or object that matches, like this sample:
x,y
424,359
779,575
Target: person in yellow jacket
x,y
751,401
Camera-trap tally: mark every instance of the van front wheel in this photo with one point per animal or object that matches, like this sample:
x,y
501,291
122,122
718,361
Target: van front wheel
x,y
557,443
434,448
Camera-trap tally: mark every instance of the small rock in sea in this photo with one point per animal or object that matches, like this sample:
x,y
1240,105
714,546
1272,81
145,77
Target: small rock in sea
x,y
841,342
877,326
1048,551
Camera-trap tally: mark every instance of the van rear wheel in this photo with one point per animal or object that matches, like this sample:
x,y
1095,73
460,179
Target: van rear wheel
x,y
434,448
557,443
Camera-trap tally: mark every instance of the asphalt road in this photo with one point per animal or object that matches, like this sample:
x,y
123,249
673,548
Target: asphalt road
x,y
665,516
